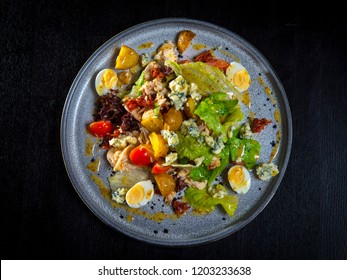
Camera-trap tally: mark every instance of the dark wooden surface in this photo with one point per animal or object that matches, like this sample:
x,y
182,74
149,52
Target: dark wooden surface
x,y
45,43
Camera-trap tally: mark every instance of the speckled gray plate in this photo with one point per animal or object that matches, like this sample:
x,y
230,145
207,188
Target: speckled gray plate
x,y
267,97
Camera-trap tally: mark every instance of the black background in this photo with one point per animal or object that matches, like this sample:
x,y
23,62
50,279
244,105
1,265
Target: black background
x,y
45,43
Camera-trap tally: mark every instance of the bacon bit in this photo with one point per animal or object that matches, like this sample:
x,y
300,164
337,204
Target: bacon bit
x,y
141,101
205,56
145,101
131,104
157,73
259,124
180,207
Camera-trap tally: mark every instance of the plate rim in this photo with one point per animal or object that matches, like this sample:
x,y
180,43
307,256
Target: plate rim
x,y
200,240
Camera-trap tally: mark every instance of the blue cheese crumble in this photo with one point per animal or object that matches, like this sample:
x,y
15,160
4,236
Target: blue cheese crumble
x,y
245,131
119,195
189,127
170,137
266,171
170,158
123,141
216,145
180,89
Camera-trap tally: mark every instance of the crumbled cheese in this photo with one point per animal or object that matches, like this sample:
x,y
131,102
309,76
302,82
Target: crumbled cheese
x,y
246,132
179,88
198,161
209,141
218,146
122,141
171,158
189,127
193,90
218,191
119,195
170,137
179,85
177,99
265,171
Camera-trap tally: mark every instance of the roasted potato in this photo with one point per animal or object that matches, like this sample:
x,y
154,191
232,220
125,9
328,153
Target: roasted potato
x,y
152,120
166,183
173,119
126,58
185,38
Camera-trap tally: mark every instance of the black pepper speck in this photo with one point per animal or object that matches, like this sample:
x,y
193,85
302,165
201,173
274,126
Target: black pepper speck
x,y
166,230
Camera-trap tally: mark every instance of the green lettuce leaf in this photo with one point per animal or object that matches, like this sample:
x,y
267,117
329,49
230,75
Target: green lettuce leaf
x,y
203,201
189,147
209,79
200,173
213,108
135,91
248,150
234,118
224,161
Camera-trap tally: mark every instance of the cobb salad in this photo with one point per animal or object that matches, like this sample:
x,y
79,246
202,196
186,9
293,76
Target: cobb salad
x,y
171,125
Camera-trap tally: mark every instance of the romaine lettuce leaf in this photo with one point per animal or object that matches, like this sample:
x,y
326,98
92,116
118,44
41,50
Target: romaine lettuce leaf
x,y
213,108
248,150
135,91
224,161
203,201
189,147
209,79
200,173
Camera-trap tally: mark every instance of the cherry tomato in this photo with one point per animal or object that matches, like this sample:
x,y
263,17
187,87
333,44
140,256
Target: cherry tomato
x,y
100,128
141,156
158,168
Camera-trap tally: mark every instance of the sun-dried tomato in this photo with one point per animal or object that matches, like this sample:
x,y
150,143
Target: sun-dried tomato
x,y
204,56
258,125
180,207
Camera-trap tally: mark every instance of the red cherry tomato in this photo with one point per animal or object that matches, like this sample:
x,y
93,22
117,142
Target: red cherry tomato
x,y
158,168
141,156
100,128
